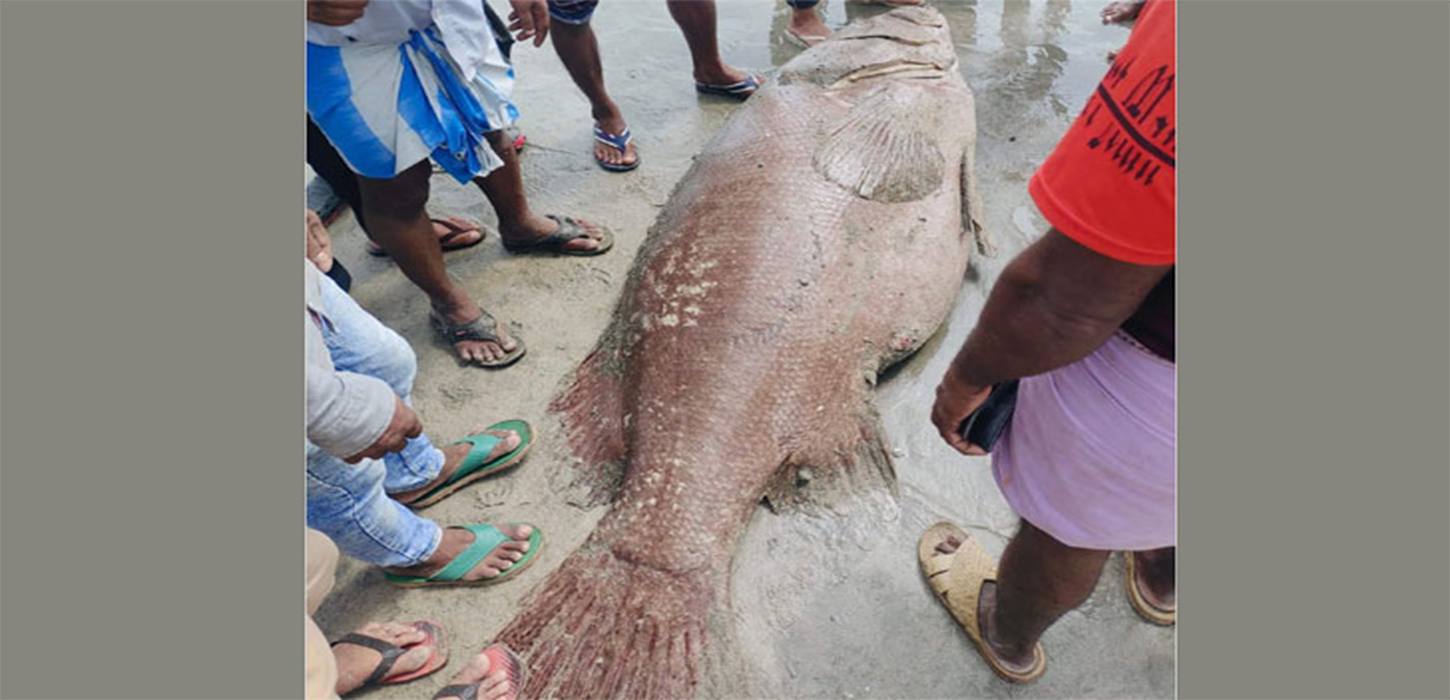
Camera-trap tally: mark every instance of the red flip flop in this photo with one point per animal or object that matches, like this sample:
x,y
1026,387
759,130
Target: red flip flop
x,y
499,656
436,638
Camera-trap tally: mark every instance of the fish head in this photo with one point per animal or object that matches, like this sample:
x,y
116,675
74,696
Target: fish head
x,y
905,43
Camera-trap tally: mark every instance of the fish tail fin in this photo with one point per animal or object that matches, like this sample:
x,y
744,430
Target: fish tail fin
x,y
603,627
591,411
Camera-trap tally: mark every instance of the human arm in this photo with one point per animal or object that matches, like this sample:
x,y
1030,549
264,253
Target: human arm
x,y
1053,305
353,416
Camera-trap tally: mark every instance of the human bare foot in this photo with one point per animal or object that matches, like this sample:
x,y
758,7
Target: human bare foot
x,y
807,28
465,310
533,229
356,663
453,456
1156,576
493,681
1019,659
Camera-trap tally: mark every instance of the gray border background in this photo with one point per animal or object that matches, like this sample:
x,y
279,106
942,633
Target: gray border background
x,y
152,378
1314,350
151,505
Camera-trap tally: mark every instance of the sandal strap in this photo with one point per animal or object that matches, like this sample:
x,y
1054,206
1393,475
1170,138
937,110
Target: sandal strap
x,y
569,230
479,329
486,538
391,653
462,692
619,142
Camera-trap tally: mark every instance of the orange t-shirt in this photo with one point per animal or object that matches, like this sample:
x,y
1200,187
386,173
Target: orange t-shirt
x,y
1110,182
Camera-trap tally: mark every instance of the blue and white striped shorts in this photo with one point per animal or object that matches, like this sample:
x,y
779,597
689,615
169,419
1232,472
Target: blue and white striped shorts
x,y
388,107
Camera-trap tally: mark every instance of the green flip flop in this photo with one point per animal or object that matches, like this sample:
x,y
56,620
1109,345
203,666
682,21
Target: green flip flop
x,y
486,538
476,465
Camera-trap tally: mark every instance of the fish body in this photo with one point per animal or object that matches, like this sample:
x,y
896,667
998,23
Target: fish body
x,y
821,236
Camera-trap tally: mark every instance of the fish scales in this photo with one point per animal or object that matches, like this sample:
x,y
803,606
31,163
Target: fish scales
x,y
821,236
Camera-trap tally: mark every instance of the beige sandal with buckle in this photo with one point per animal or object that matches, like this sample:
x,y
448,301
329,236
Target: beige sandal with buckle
x,y
957,580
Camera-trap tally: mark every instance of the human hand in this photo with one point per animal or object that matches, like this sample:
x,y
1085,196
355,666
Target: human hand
x,y
403,427
955,400
319,244
335,13
530,19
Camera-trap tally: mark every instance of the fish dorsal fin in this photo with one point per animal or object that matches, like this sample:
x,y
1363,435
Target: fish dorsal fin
x,y
878,153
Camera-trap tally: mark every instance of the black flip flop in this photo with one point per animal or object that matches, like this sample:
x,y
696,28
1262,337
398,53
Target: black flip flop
x,y
436,636
479,329
569,230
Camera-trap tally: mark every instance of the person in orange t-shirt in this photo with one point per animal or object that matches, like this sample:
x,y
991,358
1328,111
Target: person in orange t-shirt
x,y
1082,321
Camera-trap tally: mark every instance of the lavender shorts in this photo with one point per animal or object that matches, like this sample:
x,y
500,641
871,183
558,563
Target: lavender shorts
x,y
1090,455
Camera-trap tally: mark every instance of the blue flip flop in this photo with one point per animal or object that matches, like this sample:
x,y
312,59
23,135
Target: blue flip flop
x,y
739,91
619,143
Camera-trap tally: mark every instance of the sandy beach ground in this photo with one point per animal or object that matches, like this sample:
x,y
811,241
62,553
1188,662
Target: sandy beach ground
x,y
829,604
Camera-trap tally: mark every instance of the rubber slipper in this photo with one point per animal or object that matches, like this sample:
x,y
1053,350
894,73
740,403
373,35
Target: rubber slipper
x,y
436,638
457,237
476,464
499,656
739,91
619,142
957,580
480,329
569,230
1145,608
486,538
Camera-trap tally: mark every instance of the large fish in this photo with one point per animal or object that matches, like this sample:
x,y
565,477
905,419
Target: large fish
x,y
820,237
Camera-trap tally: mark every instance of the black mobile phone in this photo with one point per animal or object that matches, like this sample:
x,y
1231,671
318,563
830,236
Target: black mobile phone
x,y
984,425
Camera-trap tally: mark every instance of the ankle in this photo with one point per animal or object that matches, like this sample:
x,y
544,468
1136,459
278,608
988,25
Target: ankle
x,y
1014,651
453,303
607,111
711,73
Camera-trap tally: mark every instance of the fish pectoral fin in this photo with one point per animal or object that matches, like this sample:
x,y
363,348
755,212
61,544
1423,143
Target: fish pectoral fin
x,y
591,410
860,461
972,209
878,153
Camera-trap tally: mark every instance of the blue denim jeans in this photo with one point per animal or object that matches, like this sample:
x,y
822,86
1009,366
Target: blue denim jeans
x,y
349,502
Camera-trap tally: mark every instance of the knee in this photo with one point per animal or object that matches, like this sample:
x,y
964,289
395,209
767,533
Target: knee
x,y
400,365
335,489
402,197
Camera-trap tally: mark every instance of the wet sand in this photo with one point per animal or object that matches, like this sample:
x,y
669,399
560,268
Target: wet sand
x,y
829,604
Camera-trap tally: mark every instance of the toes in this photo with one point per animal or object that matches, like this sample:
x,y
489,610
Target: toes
x,y
508,555
412,660
519,533
405,634
501,561
476,670
496,685
508,442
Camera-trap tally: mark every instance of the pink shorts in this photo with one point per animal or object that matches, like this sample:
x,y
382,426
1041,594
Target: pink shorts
x,y
1090,456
